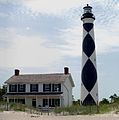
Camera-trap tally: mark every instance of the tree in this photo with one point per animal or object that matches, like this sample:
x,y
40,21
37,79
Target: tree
x,y
76,102
113,98
104,101
2,91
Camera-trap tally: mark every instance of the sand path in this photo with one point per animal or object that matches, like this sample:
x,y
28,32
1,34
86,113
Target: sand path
x,y
11,115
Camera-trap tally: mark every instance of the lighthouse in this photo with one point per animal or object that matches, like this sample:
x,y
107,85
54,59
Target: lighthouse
x,y
89,84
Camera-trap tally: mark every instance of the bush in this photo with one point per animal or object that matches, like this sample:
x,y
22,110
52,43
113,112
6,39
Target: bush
x,y
76,110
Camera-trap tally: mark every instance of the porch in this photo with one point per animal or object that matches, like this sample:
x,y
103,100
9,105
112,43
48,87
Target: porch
x,y
38,101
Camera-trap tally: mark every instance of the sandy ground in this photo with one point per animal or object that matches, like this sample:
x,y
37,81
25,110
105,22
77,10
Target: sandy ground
x,y
11,115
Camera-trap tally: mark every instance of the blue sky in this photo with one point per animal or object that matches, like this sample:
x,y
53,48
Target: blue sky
x,y
43,36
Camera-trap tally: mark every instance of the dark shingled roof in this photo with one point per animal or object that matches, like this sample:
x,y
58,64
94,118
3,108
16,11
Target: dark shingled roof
x,y
40,78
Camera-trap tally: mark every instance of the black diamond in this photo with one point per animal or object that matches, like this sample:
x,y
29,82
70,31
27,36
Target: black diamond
x,y
88,26
89,75
88,100
88,45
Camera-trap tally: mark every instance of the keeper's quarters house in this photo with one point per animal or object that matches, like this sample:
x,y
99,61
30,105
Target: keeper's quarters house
x,y
41,89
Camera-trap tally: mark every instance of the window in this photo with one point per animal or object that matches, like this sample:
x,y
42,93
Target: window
x,y
45,102
46,87
34,87
22,101
12,88
11,100
56,87
51,102
21,88
57,102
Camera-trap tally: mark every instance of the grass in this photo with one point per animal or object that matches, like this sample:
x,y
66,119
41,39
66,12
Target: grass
x,y
85,110
14,106
76,110
72,110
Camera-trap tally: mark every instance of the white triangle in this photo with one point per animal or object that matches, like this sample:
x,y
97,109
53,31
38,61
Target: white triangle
x,y
94,92
84,59
84,33
84,92
91,32
93,59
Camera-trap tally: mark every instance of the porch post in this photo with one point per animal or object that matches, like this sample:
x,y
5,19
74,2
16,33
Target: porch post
x,y
7,100
60,101
36,102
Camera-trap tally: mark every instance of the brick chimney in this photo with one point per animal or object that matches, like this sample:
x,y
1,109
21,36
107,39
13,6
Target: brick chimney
x,y
66,70
16,72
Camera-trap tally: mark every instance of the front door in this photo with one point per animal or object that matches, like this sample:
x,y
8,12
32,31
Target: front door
x,y
45,102
34,102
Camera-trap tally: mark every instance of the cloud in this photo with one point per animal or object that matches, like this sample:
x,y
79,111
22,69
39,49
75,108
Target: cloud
x,y
73,38
27,51
56,32
53,6
6,38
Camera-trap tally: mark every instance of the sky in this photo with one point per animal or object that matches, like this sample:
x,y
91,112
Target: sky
x,y
44,36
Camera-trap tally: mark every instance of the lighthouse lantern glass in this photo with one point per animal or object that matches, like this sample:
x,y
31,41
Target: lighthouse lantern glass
x,y
87,10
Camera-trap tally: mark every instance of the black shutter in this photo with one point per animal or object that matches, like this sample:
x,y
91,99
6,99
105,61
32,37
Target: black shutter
x,y
59,87
9,88
43,87
30,87
24,88
15,88
50,105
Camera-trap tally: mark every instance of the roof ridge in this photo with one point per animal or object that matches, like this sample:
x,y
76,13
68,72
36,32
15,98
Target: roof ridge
x,y
43,74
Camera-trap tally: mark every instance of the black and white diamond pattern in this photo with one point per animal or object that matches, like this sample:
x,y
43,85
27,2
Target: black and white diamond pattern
x,y
89,86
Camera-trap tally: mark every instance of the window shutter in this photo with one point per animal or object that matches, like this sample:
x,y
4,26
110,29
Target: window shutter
x,y
16,88
37,87
9,88
24,87
43,87
60,87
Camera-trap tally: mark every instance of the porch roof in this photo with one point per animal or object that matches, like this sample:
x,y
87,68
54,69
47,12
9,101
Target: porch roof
x,y
34,93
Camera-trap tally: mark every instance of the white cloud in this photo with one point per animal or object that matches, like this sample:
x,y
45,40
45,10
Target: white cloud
x,y
28,51
107,40
73,37
53,6
3,15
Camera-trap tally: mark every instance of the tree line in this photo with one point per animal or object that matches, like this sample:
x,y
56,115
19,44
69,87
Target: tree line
x,y
2,92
